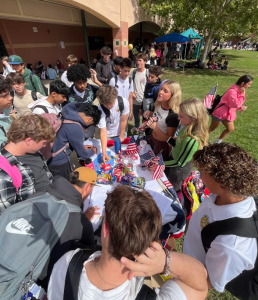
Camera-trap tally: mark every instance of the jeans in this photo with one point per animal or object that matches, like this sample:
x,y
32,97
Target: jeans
x,y
136,114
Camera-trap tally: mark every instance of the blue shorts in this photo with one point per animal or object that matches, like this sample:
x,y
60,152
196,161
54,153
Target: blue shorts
x,y
216,119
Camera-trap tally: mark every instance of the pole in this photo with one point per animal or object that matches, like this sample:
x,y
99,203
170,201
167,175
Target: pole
x,y
141,32
85,38
184,57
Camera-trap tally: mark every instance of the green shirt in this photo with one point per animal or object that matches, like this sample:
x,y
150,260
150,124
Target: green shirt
x,y
183,151
35,85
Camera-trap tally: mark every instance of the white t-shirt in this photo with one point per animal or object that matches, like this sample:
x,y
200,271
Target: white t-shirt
x,y
178,47
140,81
113,121
36,109
65,79
124,88
228,255
87,291
166,118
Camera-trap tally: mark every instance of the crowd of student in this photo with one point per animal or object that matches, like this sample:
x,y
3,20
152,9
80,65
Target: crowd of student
x,y
38,134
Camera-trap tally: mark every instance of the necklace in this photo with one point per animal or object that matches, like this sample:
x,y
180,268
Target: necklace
x,y
101,276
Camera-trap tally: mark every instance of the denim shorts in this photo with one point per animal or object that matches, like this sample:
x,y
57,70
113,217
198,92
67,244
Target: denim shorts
x,y
216,119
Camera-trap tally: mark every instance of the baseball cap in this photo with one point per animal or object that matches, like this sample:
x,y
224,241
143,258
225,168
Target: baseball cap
x,y
15,60
87,175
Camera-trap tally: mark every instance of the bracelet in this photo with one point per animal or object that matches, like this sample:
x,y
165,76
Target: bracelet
x,y
167,267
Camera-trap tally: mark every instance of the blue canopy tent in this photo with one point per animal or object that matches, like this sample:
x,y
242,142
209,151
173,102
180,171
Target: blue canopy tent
x,y
190,33
172,38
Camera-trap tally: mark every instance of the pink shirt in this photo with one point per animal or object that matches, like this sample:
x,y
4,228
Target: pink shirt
x,y
158,53
231,100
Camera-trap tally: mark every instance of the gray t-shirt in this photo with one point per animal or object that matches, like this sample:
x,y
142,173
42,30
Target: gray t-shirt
x,y
38,168
140,82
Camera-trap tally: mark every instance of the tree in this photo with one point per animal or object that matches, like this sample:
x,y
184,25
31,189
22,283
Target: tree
x,y
211,18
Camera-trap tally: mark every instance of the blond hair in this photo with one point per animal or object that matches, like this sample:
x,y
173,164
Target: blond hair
x,y
153,52
198,129
176,95
30,126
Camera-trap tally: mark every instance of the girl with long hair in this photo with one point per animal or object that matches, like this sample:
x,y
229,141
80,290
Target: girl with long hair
x,y
194,117
153,57
231,101
164,121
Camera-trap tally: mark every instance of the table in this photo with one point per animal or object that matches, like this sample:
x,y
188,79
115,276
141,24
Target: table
x,y
171,211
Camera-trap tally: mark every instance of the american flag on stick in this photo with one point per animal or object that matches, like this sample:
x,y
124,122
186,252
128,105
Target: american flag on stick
x,y
208,100
144,123
132,147
150,161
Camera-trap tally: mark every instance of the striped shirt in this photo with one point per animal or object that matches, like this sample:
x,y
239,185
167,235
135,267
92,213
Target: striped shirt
x,y
183,151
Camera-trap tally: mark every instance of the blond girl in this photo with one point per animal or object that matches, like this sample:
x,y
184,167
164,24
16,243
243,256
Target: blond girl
x,y
164,121
193,116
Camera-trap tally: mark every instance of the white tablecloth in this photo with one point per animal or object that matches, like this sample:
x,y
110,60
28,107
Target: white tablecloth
x,y
99,194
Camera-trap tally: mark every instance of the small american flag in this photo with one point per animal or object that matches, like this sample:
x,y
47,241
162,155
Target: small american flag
x,y
170,188
158,172
149,160
132,147
208,100
144,124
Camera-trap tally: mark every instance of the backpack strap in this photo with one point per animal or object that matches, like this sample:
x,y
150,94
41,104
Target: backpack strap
x,y
12,93
73,274
116,79
120,104
134,73
2,128
71,122
130,82
146,293
105,110
31,75
12,171
42,107
243,227
34,95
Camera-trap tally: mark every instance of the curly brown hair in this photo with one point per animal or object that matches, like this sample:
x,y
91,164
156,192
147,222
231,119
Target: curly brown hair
x,y
30,126
133,220
106,94
230,166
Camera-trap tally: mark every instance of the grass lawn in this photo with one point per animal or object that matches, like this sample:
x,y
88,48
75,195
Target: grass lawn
x,y
197,83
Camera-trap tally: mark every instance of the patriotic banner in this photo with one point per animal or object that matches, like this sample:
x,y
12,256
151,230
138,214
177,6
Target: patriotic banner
x,y
208,100
132,147
158,172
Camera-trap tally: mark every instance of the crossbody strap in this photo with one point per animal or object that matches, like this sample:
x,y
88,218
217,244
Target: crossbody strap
x,y
73,274
243,227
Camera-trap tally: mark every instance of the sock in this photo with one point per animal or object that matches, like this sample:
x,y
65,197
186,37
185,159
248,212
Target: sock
x,y
218,141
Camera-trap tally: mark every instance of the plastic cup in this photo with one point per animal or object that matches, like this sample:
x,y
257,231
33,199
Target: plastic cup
x,y
117,144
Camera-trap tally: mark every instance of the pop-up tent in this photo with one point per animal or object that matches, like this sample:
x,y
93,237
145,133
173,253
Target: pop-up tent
x,y
173,38
190,33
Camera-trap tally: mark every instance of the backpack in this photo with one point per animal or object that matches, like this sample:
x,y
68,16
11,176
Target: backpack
x,y
245,285
33,95
56,122
44,87
73,275
120,105
216,102
30,230
116,79
135,71
12,171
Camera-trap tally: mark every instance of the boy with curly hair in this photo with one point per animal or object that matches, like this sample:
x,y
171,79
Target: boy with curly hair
x,y
231,176
81,91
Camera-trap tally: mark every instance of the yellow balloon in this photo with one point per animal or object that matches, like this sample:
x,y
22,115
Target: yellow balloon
x,y
130,46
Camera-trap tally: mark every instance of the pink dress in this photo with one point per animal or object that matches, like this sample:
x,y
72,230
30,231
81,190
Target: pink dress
x,y
231,101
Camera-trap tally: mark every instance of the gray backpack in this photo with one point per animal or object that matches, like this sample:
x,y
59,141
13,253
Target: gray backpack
x,y
30,230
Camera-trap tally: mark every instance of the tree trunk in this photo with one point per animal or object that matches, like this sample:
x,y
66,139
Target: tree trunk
x,y
207,47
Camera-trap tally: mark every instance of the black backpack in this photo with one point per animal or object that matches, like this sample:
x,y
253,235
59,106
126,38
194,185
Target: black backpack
x,y
245,285
33,95
120,105
216,103
73,275
44,87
